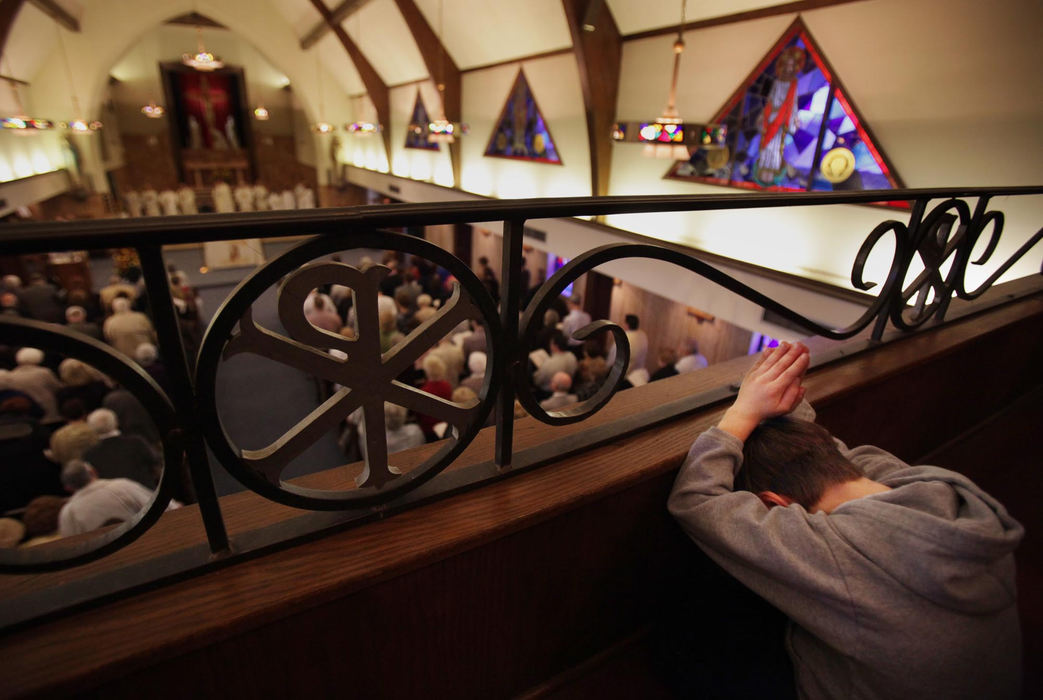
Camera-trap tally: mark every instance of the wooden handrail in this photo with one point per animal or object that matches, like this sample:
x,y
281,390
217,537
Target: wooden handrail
x,y
97,646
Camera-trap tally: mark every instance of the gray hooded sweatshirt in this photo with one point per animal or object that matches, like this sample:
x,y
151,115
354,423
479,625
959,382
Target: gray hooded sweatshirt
x,y
903,594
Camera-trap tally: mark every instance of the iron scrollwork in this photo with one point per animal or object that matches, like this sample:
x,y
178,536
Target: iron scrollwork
x,y
586,262
948,229
368,377
942,240
947,234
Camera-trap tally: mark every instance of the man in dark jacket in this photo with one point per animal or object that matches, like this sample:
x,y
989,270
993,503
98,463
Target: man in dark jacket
x,y
121,456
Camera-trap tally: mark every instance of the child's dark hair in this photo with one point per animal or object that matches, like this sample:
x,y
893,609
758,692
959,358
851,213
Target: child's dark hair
x,y
793,458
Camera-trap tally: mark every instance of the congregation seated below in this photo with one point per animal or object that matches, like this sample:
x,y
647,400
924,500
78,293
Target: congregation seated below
x,y
49,420
80,414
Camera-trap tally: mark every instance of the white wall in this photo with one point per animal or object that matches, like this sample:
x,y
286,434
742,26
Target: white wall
x,y
953,93
554,82
29,190
34,153
365,150
415,163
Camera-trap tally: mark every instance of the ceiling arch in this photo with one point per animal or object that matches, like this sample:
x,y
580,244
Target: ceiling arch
x,y
110,28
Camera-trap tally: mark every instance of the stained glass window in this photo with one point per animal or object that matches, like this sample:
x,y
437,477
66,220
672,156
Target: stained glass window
x,y
416,132
521,132
791,127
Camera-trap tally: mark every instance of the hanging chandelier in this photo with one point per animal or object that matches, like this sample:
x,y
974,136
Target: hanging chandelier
x,y
202,59
363,128
153,111
25,125
669,136
442,130
322,126
79,125
20,123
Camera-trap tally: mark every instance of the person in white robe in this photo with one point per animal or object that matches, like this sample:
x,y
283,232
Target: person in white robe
x,y
187,198
168,202
222,194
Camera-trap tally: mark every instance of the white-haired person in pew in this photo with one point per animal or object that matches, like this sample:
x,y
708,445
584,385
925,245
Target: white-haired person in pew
x,y
97,502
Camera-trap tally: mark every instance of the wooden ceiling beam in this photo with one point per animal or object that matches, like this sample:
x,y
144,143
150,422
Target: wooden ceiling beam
x,y
8,13
599,57
441,68
337,15
58,14
375,85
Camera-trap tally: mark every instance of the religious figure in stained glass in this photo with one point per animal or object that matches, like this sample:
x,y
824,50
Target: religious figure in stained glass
x,y
521,131
791,127
779,118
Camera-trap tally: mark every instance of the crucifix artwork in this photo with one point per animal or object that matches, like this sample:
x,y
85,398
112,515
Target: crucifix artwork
x,y
208,111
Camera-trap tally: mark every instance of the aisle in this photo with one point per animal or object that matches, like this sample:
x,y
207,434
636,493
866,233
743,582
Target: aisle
x,y
258,399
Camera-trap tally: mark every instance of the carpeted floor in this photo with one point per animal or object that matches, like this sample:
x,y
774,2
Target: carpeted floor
x,y
258,398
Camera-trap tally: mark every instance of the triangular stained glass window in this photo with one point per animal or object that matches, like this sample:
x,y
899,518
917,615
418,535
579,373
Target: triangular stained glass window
x,y
521,132
416,132
792,127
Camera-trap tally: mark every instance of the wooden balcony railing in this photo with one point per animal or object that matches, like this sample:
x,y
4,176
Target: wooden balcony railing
x,y
939,236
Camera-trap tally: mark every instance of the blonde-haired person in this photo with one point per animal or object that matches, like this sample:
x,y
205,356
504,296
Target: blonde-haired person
x,y
38,382
400,435
125,329
81,382
389,335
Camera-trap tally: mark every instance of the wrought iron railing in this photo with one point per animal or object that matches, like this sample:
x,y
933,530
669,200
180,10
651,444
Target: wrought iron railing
x,y
943,237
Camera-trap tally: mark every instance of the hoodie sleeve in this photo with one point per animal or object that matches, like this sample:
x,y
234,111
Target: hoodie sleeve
x,y
783,554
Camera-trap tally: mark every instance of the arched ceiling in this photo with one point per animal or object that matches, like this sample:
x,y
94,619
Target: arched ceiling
x,y
474,32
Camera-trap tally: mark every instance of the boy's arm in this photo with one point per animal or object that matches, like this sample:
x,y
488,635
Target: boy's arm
x,y
771,388
781,553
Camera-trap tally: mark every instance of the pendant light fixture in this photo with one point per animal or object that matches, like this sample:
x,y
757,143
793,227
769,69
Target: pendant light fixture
x,y
322,126
153,111
665,136
20,123
361,128
202,59
442,130
79,124
668,136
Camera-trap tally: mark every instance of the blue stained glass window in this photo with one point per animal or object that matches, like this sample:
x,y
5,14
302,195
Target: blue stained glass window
x,y
416,132
521,132
791,128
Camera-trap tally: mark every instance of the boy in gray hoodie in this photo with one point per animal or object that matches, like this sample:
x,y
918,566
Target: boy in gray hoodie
x,y
898,580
